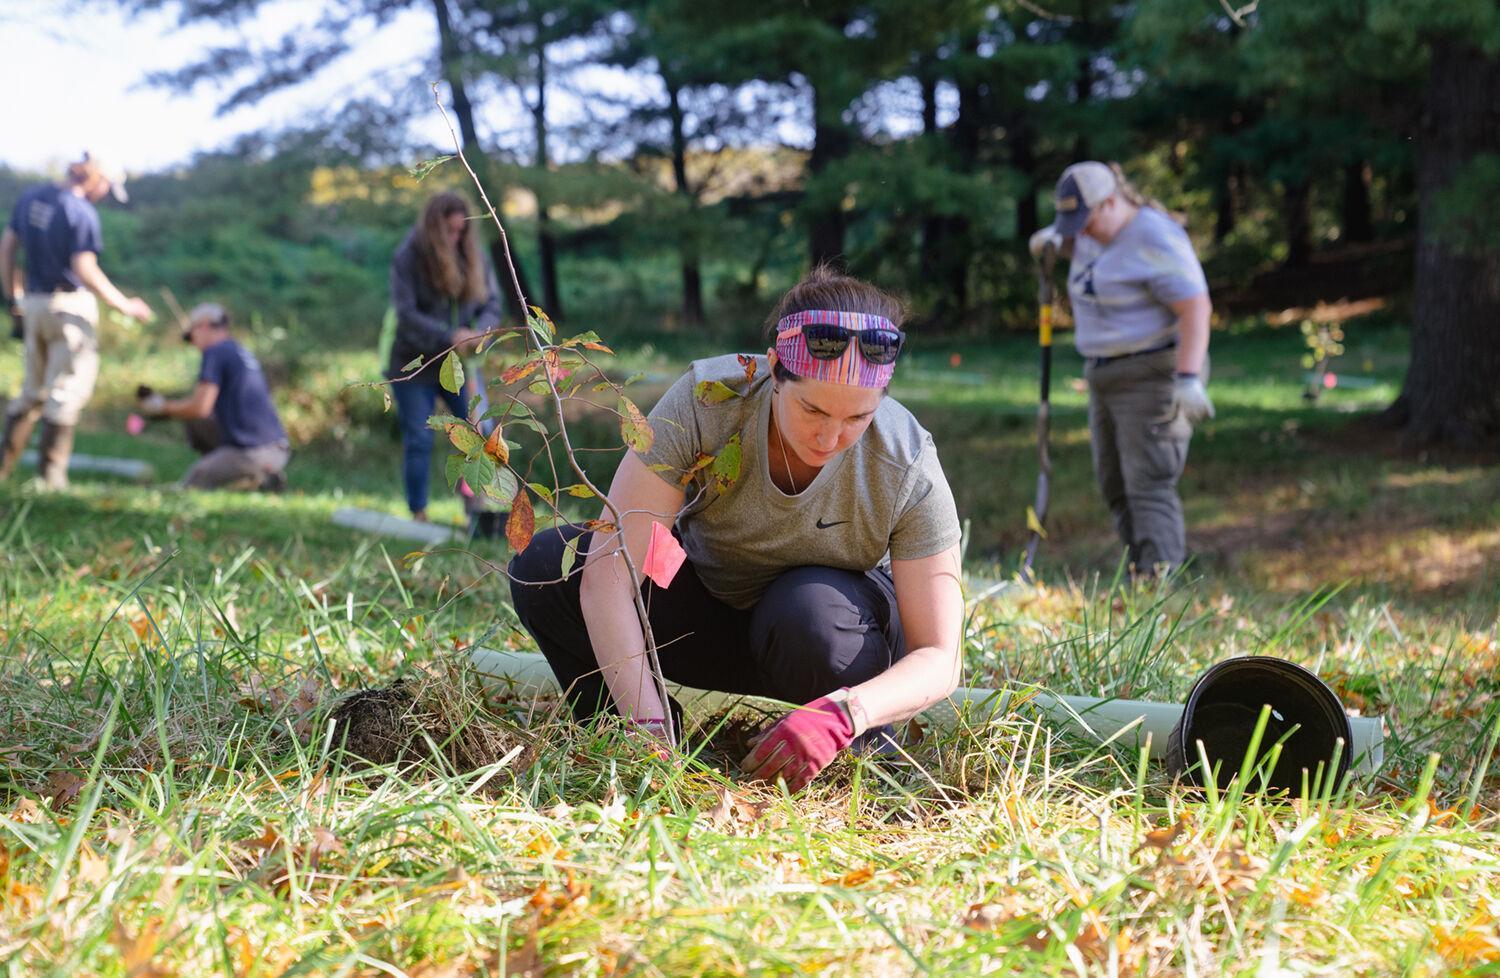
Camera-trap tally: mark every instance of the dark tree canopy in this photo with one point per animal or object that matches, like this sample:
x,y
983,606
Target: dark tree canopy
x,y
916,141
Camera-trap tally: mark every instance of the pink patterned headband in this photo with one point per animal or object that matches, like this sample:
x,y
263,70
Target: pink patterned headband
x,y
852,366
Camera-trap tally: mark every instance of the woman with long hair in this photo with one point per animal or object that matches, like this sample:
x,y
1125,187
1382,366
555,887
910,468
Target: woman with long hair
x,y
444,295
826,574
1141,315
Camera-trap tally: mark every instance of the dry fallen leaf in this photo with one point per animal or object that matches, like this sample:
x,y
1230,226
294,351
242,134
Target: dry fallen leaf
x,y
855,877
27,812
994,916
269,839
62,788
93,869
612,809
138,951
1163,838
722,813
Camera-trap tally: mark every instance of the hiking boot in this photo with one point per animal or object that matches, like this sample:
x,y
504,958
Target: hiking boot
x,y
274,482
55,449
13,442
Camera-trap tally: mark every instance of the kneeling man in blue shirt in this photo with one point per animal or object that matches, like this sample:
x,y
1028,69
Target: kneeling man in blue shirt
x,y
252,450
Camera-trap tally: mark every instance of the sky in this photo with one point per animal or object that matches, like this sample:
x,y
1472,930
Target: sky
x,y
72,73
74,76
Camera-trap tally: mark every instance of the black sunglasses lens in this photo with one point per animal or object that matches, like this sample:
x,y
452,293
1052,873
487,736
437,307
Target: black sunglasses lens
x,y
880,346
825,342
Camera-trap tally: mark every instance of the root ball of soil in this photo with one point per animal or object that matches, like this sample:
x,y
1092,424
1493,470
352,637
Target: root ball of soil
x,y
375,725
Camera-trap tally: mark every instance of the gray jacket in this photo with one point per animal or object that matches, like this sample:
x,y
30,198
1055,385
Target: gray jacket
x,y
426,319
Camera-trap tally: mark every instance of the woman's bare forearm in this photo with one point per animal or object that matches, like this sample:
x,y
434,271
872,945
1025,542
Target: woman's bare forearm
x,y
615,633
918,680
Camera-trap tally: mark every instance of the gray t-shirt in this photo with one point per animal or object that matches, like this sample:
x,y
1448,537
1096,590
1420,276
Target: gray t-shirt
x,y
1120,291
884,496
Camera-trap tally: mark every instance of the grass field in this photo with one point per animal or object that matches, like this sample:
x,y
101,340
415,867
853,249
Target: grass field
x,y
171,804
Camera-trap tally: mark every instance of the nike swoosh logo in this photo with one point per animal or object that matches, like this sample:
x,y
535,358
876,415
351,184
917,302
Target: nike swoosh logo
x,y
825,526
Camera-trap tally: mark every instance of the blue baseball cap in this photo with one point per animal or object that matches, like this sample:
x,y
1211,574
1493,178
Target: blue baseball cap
x,y
1079,190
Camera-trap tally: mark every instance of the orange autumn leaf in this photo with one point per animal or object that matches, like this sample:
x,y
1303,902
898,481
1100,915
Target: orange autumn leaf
x,y
1437,816
855,877
520,370
1307,895
495,446
1163,838
24,898
521,524
138,951
1469,945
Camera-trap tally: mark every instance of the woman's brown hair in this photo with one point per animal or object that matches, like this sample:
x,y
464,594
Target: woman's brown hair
x,y
455,272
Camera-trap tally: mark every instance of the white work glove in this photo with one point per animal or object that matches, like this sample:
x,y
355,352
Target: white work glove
x,y
1190,399
1041,239
152,405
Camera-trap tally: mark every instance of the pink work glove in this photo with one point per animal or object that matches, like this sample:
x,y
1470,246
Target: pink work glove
x,y
801,744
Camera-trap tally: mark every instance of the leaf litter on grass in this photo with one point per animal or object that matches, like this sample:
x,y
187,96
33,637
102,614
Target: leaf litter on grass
x,y
228,828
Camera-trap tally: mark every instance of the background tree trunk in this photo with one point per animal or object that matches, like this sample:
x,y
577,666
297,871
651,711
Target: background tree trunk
x,y
1296,215
546,239
1226,204
1451,395
463,108
831,141
692,277
1355,212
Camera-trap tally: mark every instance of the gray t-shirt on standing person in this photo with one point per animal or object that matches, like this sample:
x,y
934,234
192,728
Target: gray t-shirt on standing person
x,y
884,496
1121,291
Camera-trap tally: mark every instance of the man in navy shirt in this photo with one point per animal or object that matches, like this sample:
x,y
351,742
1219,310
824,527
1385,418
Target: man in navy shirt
x,y
58,229
252,452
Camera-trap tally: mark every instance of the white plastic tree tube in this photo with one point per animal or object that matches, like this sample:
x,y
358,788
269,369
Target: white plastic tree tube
x,y
1129,722
126,468
386,525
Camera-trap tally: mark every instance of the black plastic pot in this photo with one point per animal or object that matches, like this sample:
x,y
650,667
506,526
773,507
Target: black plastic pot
x,y
1225,705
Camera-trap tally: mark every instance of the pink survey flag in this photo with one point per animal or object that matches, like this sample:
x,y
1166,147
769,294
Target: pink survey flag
x,y
664,556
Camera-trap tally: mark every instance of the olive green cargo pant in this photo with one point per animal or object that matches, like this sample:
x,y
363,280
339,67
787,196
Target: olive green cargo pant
x,y
1140,445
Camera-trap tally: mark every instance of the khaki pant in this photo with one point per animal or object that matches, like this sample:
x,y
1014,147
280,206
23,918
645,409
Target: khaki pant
x,y
61,359
229,467
1140,445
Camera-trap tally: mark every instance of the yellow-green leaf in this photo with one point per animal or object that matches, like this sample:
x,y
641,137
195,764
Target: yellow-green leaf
x,y
465,439
726,467
1033,524
635,430
451,374
713,391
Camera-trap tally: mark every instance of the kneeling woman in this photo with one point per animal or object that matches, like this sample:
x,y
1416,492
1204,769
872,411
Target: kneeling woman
x,y
826,574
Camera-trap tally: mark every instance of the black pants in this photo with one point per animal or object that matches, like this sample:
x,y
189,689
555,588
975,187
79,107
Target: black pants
x,y
815,630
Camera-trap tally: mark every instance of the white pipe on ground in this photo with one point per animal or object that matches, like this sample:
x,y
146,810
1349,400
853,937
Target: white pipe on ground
x,y
126,468
387,525
1130,721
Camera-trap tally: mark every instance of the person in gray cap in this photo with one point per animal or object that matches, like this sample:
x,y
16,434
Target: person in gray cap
x,y
251,449
57,227
1141,319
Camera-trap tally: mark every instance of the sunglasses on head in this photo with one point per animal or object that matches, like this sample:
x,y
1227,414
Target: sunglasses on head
x,y
828,342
